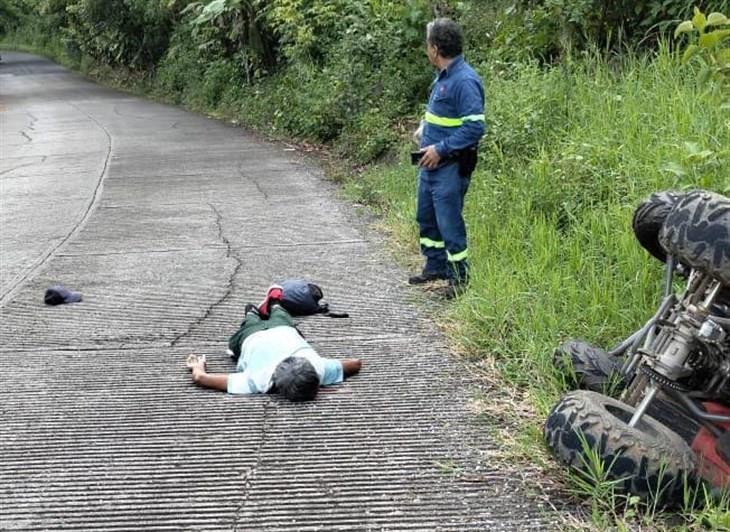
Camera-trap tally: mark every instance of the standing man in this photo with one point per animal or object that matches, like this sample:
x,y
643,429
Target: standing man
x,y
449,137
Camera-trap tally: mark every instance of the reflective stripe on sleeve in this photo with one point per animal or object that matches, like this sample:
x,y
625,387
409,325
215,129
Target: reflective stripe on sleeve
x,y
456,257
436,120
428,243
443,121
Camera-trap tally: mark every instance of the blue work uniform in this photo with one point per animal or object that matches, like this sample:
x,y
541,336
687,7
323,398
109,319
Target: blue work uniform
x,y
454,121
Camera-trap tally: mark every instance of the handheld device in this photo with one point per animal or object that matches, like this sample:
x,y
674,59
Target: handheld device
x,y
416,157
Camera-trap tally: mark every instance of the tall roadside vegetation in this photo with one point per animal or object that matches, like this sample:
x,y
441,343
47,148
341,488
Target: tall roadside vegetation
x,y
344,72
591,106
9,16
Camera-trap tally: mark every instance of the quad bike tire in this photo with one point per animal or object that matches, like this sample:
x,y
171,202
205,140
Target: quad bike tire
x,y
649,218
649,461
697,232
593,368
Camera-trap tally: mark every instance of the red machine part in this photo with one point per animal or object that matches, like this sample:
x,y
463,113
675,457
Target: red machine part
x,y
713,467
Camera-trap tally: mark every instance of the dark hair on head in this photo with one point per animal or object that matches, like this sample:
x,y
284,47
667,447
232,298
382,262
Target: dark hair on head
x,y
446,35
296,379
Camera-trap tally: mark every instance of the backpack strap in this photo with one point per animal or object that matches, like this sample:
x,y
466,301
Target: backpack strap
x,y
337,314
325,309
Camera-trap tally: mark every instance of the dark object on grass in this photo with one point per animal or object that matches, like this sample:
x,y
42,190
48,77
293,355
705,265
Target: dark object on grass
x,y
648,460
592,368
697,232
58,295
649,217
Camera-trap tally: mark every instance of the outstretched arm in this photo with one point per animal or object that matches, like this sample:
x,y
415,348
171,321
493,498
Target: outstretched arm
x,y
216,381
351,366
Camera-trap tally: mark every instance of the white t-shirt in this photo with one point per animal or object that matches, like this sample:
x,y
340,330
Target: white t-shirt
x,y
261,353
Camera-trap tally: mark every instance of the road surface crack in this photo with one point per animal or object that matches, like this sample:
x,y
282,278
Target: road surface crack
x,y
250,474
30,127
43,159
229,284
255,182
15,284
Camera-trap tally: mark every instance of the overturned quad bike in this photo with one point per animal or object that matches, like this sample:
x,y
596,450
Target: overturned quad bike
x,y
670,420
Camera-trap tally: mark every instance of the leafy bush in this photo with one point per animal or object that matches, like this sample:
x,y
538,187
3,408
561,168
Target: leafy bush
x,y
307,28
10,14
367,137
711,46
549,27
530,115
133,33
374,75
235,30
180,69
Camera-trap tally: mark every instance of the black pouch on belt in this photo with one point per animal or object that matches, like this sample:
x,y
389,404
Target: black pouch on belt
x,y
467,159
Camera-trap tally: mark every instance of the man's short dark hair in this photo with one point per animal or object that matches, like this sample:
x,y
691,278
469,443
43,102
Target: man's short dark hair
x,y
296,379
446,35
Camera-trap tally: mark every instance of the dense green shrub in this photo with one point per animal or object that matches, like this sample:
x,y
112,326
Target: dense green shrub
x,y
132,33
710,46
236,30
10,15
371,72
307,28
180,70
375,74
548,27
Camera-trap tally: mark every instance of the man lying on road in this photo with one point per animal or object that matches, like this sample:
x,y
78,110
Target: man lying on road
x,y
273,357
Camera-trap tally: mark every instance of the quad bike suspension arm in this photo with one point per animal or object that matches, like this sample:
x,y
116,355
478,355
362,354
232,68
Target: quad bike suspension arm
x,y
633,341
648,398
669,275
695,410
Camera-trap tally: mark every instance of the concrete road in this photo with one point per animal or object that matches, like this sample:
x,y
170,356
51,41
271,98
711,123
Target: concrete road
x,y
168,222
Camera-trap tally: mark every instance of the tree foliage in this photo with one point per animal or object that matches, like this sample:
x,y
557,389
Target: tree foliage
x,y
307,29
133,33
10,15
710,46
235,29
548,27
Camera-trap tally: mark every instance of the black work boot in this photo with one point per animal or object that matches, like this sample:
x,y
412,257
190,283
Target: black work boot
x,y
425,277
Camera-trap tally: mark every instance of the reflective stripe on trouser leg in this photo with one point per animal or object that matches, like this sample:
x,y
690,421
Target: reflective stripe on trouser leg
x,y
428,243
432,243
456,257
458,266
449,190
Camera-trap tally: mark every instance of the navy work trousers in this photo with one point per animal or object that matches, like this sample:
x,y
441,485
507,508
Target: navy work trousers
x,y
441,224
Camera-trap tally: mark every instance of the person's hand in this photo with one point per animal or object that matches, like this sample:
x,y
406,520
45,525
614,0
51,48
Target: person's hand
x,y
195,362
430,158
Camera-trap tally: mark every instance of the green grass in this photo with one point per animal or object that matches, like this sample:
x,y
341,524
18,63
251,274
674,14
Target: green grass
x,y
549,214
570,154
